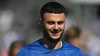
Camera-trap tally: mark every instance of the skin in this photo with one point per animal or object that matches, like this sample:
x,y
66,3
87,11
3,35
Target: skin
x,y
53,27
75,42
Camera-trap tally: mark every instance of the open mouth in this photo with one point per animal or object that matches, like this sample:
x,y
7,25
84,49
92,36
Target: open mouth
x,y
55,33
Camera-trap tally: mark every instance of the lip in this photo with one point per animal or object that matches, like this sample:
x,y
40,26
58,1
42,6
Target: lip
x,y
54,34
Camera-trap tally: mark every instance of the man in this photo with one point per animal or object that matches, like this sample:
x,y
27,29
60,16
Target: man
x,y
53,22
73,36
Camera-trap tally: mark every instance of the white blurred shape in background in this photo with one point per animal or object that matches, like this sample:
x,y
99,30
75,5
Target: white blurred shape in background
x,y
6,18
8,36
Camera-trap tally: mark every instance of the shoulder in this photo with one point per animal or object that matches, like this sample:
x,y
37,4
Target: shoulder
x,y
68,46
74,51
26,50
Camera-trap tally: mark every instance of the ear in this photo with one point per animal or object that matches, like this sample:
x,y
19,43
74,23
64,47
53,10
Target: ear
x,y
40,21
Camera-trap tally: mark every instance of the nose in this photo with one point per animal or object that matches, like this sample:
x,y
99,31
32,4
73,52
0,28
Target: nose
x,y
56,26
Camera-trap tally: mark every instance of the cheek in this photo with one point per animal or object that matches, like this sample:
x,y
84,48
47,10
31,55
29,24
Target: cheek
x,y
48,27
62,27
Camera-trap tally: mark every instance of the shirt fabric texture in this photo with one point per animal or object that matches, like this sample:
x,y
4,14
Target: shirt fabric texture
x,y
36,49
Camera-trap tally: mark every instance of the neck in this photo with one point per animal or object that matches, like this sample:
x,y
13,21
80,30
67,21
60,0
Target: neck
x,y
51,44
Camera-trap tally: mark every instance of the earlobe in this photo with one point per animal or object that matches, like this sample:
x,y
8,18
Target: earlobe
x,y
40,22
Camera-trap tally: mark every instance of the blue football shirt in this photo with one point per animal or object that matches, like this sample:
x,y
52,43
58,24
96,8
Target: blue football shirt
x,y
36,49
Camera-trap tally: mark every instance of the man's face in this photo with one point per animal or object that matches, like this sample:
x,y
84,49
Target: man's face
x,y
53,25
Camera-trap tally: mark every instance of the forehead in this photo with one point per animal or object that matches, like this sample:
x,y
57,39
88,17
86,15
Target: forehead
x,y
53,16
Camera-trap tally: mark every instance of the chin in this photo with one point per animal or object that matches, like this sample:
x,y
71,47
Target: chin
x,y
55,37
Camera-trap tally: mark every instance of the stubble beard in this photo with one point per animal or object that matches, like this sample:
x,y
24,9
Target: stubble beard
x,y
47,36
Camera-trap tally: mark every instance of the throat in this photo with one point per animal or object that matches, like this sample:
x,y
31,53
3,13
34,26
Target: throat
x,y
51,44
58,45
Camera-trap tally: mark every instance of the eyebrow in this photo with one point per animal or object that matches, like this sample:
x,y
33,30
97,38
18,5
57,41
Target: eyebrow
x,y
53,22
50,22
60,22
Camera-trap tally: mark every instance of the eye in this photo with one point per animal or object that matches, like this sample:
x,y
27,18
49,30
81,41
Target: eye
x,y
60,22
50,22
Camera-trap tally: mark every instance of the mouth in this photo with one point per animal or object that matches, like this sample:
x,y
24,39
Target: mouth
x,y
55,33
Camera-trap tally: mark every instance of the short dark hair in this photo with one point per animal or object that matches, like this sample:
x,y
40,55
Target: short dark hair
x,y
52,7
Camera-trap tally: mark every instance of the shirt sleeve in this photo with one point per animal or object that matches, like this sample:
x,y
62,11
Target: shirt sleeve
x,y
78,52
21,52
